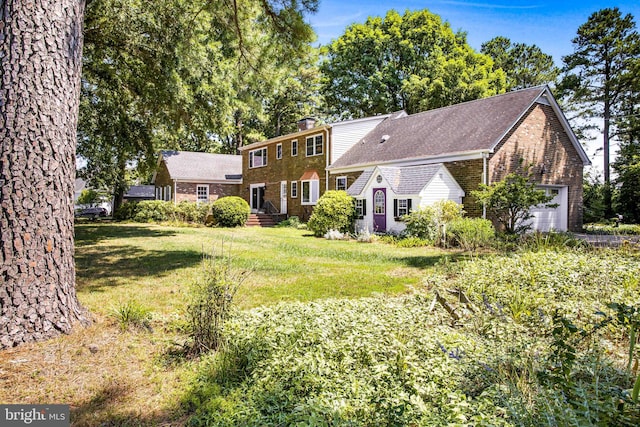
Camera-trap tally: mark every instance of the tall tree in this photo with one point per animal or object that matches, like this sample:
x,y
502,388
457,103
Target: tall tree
x,y
524,65
599,75
413,62
41,59
180,74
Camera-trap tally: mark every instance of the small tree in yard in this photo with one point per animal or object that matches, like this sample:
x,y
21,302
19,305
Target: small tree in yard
x,y
510,201
335,211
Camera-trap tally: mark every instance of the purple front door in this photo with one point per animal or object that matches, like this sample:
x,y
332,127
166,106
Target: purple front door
x,y
379,209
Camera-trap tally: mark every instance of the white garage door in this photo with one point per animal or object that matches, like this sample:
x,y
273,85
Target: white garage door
x,y
547,219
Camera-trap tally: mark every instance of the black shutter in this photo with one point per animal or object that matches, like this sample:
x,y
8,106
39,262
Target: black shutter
x,y
395,208
408,205
364,208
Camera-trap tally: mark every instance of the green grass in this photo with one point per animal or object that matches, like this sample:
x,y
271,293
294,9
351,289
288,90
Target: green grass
x,y
155,264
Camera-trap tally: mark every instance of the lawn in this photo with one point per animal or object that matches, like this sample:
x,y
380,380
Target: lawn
x,y
129,378
344,333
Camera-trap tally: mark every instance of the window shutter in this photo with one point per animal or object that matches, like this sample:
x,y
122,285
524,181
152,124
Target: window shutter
x,y
395,208
364,207
408,205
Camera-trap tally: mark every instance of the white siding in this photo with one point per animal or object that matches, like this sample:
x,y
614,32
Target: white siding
x,y
345,134
547,219
441,187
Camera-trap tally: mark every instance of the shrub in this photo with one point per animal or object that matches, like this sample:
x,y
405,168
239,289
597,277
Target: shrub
x,y
230,211
291,222
471,233
211,302
126,211
335,210
191,212
429,223
152,210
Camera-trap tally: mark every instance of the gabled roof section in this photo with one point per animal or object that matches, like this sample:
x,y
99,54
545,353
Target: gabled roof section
x,y
403,180
203,167
470,127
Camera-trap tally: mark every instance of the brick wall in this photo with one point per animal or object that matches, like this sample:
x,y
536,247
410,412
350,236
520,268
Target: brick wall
x,y
187,191
468,174
351,178
553,162
288,168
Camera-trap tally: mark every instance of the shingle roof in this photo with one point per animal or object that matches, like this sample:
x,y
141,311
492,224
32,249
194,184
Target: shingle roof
x,y
403,180
462,128
203,167
141,192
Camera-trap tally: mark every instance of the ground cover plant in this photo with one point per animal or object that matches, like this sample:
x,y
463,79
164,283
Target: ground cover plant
x,y
342,333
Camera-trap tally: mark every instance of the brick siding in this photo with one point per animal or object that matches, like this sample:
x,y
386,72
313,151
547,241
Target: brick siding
x,y
555,162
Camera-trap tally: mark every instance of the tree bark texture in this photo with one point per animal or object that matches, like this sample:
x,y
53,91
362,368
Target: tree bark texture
x,y
40,57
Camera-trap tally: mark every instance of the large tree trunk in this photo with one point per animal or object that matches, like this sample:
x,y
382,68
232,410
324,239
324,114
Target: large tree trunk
x,y
41,52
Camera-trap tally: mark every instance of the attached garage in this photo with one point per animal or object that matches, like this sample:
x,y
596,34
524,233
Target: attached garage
x,y
552,218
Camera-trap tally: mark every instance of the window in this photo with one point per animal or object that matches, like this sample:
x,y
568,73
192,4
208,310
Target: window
x,y
378,202
401,207
279,151
202,193
310,192
361,208
294,189
314,145
167,193
341,183
158,193
258,158
294,148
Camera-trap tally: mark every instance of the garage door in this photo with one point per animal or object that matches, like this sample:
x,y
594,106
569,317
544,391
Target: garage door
x,y
547,219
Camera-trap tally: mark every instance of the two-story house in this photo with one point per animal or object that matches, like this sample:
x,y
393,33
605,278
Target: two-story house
x,y
286,175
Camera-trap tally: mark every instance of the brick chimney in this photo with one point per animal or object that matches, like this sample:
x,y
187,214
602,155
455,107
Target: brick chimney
x,y
306,123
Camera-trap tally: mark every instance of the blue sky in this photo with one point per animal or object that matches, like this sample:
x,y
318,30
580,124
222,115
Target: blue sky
x,y
549,24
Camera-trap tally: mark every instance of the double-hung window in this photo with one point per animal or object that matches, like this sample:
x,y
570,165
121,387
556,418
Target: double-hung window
x,y
361,208
314,145
310,192
341,183
279,151
294,148
401,207
294,189
202,193
258,158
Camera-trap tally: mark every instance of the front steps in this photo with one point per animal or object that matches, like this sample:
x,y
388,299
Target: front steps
x,y
261,220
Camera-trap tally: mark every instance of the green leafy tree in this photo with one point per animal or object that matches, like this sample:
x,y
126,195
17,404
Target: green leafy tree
x,y
510,201
89,197
524,65
592,199
180,74
412,62
601,75
628,168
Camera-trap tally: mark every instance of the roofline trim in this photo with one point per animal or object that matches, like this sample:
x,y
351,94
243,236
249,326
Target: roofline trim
x,y
418,161
281,138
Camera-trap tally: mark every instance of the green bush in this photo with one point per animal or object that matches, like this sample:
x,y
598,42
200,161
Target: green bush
x,y
471,233
335,210
126,211
191,212
429,222
153,210
230,211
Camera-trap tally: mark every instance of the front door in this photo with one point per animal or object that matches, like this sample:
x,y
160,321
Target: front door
x,y
283,197
257,198
380,209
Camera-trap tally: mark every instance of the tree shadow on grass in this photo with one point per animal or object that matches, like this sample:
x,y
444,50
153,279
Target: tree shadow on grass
x,y
92,233
122,264
102,410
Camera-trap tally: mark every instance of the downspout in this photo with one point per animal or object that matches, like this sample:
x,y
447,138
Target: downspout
x,y
328,163
175,194
485,180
